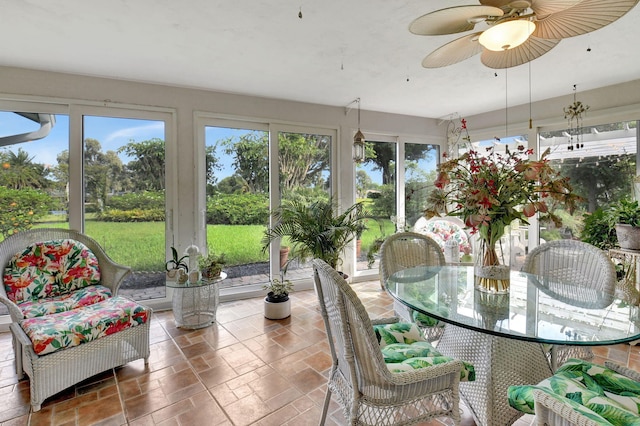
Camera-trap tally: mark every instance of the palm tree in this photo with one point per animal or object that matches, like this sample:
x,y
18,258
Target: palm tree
x,y
19,171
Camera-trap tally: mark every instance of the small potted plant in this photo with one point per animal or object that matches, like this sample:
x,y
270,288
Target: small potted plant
x,y
627,214
277,304
211,265
176,267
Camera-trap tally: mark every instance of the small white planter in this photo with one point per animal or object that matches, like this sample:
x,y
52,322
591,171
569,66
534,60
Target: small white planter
x,y
276,311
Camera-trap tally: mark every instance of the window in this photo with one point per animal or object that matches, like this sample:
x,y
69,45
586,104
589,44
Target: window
x,y
251,168
376,187
124,197
601,168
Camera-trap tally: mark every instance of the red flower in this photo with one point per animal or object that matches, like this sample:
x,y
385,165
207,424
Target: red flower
x,y
529,210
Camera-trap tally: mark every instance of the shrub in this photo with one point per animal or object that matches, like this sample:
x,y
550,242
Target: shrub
x,y
133,215
20,208
145,200
238,209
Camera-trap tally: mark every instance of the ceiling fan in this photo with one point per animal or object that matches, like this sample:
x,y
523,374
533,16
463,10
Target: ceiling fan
x,y
518,31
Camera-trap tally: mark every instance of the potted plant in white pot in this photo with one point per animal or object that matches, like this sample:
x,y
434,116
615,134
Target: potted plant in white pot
x,y
627,217
277,304
176,267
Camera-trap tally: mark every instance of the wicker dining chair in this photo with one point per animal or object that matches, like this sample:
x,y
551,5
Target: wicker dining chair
x,y
564,266
370,394
405,250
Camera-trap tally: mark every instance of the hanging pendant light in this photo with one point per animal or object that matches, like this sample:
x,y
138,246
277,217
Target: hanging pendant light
x,y
358,141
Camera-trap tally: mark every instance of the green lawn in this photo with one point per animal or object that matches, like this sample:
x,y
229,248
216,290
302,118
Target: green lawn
x,y
141,244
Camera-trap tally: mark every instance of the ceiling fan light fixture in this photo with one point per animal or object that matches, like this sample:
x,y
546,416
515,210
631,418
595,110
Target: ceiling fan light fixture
x,y
507,35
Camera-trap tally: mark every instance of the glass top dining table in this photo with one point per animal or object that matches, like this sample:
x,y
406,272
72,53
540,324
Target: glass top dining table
x,y
534,309
504,335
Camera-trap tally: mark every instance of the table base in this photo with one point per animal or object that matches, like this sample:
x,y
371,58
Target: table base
x,y
499,363
195,307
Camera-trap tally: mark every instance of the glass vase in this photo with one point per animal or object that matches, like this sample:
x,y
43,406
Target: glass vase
x,y
492,268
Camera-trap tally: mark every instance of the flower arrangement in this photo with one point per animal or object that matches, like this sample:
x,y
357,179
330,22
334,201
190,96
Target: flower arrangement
x,y
489,190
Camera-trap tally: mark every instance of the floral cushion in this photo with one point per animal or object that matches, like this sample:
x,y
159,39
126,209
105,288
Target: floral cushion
x,y
66,302
49,269
50,333
443,230
600,390
404,349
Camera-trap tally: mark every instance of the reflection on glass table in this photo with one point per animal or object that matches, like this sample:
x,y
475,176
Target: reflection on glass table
x,y
195,304
502,335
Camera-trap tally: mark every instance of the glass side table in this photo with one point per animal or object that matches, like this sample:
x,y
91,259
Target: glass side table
x,y
195,304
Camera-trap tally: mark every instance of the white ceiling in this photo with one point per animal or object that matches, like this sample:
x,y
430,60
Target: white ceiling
x,y
338,51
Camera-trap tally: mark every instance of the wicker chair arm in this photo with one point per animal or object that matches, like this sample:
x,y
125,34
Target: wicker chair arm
x,y
14,311
19,334
553,412
627,372
387,320
113,274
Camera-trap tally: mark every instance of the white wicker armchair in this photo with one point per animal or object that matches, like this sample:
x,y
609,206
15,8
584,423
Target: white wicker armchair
x,y
369,393
54,372
407,250
112,273
589,269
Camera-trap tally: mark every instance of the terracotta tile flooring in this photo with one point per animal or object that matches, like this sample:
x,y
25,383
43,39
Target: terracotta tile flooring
x,y
243,370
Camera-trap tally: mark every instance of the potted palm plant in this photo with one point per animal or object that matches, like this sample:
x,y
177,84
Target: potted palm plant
x,y
315,230
277,304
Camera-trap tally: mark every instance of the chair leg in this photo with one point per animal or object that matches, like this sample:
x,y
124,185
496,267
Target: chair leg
x,y
325,407
17,351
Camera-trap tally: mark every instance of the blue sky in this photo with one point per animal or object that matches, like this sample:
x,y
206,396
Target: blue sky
x,y
112,133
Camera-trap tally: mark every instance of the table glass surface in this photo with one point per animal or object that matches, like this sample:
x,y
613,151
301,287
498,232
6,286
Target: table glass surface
x,y
199,283
533,310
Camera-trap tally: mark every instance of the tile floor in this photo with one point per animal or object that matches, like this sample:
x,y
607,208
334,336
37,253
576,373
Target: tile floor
x,y
243,370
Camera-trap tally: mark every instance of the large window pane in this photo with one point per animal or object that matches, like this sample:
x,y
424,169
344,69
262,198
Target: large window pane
x,y
124,206
376,186
420,166
304,161
34,175
237,212
601,166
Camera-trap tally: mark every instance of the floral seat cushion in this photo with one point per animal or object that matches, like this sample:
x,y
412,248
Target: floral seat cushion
x,y
404,349
51,305
53,332
598,389
49,269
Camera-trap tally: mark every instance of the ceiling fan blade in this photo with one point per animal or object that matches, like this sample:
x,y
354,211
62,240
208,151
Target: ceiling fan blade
x,y
528,51
452,19
581,18
453,52
496,3
543,8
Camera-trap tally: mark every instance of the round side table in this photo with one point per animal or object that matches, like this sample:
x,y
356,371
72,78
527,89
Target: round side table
x,y
195,304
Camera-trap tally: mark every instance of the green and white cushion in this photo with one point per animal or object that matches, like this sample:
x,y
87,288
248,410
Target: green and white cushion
x,y
404,349
50,269
600,391
53,332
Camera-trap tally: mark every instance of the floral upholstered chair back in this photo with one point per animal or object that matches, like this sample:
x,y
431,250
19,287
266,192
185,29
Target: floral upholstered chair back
x,y
49,269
